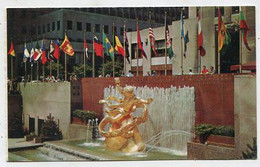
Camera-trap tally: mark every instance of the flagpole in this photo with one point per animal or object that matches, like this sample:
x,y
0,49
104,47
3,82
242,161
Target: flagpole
x,y
93,58
137,56
124,46
103,60
113,36
240,43
181,45
150,47
43,66
65,67
50,66
165,65
12,75
84,52
198,50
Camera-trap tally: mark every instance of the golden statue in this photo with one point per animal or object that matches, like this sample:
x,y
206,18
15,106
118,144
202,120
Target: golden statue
x,y
123,133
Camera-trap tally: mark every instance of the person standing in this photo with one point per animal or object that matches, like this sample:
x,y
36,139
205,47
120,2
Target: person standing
x,y
212,70
204,70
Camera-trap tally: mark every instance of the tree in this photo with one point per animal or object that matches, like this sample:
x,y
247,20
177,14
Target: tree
x,y
54,68
119,68
51,129
251,151
79,70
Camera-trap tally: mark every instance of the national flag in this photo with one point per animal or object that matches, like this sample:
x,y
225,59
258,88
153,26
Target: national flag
x,y
223,36
98,48
51,52
152,40
168,42
31,55
118,46
139,42
66,46
186,40
56,52
44,58
11,50
244,28
127,55
108,46
37,52
200,38
86,48
26,52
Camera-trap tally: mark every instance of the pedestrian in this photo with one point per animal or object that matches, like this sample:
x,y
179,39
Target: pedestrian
x,y
204,70
190,72
212,70
130,74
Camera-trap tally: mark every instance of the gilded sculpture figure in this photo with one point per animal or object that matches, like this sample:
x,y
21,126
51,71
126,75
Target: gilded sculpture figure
x,y
122,133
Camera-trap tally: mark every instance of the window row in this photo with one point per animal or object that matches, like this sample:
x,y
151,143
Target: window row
x,y
97,28
42,29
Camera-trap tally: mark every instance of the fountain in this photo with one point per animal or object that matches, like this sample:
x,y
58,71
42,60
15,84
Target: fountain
x,y
123,133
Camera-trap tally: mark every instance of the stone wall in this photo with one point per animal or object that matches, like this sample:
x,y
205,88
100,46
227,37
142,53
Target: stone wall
x,y
198,151
245,111
42,99
214,94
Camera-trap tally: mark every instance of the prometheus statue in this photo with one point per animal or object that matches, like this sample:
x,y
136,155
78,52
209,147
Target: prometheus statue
x,y
123,133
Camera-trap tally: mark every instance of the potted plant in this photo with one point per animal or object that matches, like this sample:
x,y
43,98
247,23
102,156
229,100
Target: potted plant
x,y
82,116
204,131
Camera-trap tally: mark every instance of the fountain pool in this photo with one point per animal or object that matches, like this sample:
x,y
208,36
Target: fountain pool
x,y
79,150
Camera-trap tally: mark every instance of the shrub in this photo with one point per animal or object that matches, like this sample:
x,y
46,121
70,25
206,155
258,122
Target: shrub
x,y
51,129
204,129
224,131
84,114
251,152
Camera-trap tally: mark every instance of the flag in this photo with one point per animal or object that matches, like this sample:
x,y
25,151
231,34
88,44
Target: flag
x,y
108,46
118,46
86,48
98,47
168,42
26,52
244,28
66,46
56,52
186,40
223,36
11,50
31,55
139,42
152,40
200,38
51,52
126,48
44,58
37,52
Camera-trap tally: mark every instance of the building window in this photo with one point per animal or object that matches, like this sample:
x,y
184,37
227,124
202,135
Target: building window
x,y
33,14
221,11
23,13
48,27
130,29
235,9
79,26
43,29
24,30
97,28
33,30
106,30
133,51
58,25
39,29
69,25
53,26
88,27
121,30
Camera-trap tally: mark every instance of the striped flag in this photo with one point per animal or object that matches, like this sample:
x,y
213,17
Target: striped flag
x,y
152,40
169,43
243,26
26,52
200,38
126,48
119,48
51,51
37,52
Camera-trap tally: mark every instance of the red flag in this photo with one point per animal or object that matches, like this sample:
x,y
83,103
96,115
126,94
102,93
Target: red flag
x,y
11,51
66,46
140,42
98,47
152,40
119,48
56,52
243,26
44,58
200,37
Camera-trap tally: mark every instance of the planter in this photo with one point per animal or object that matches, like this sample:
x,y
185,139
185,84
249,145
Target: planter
x,y
76,120
221,140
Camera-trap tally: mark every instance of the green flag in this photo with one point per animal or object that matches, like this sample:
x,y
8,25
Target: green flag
x,y
108,46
